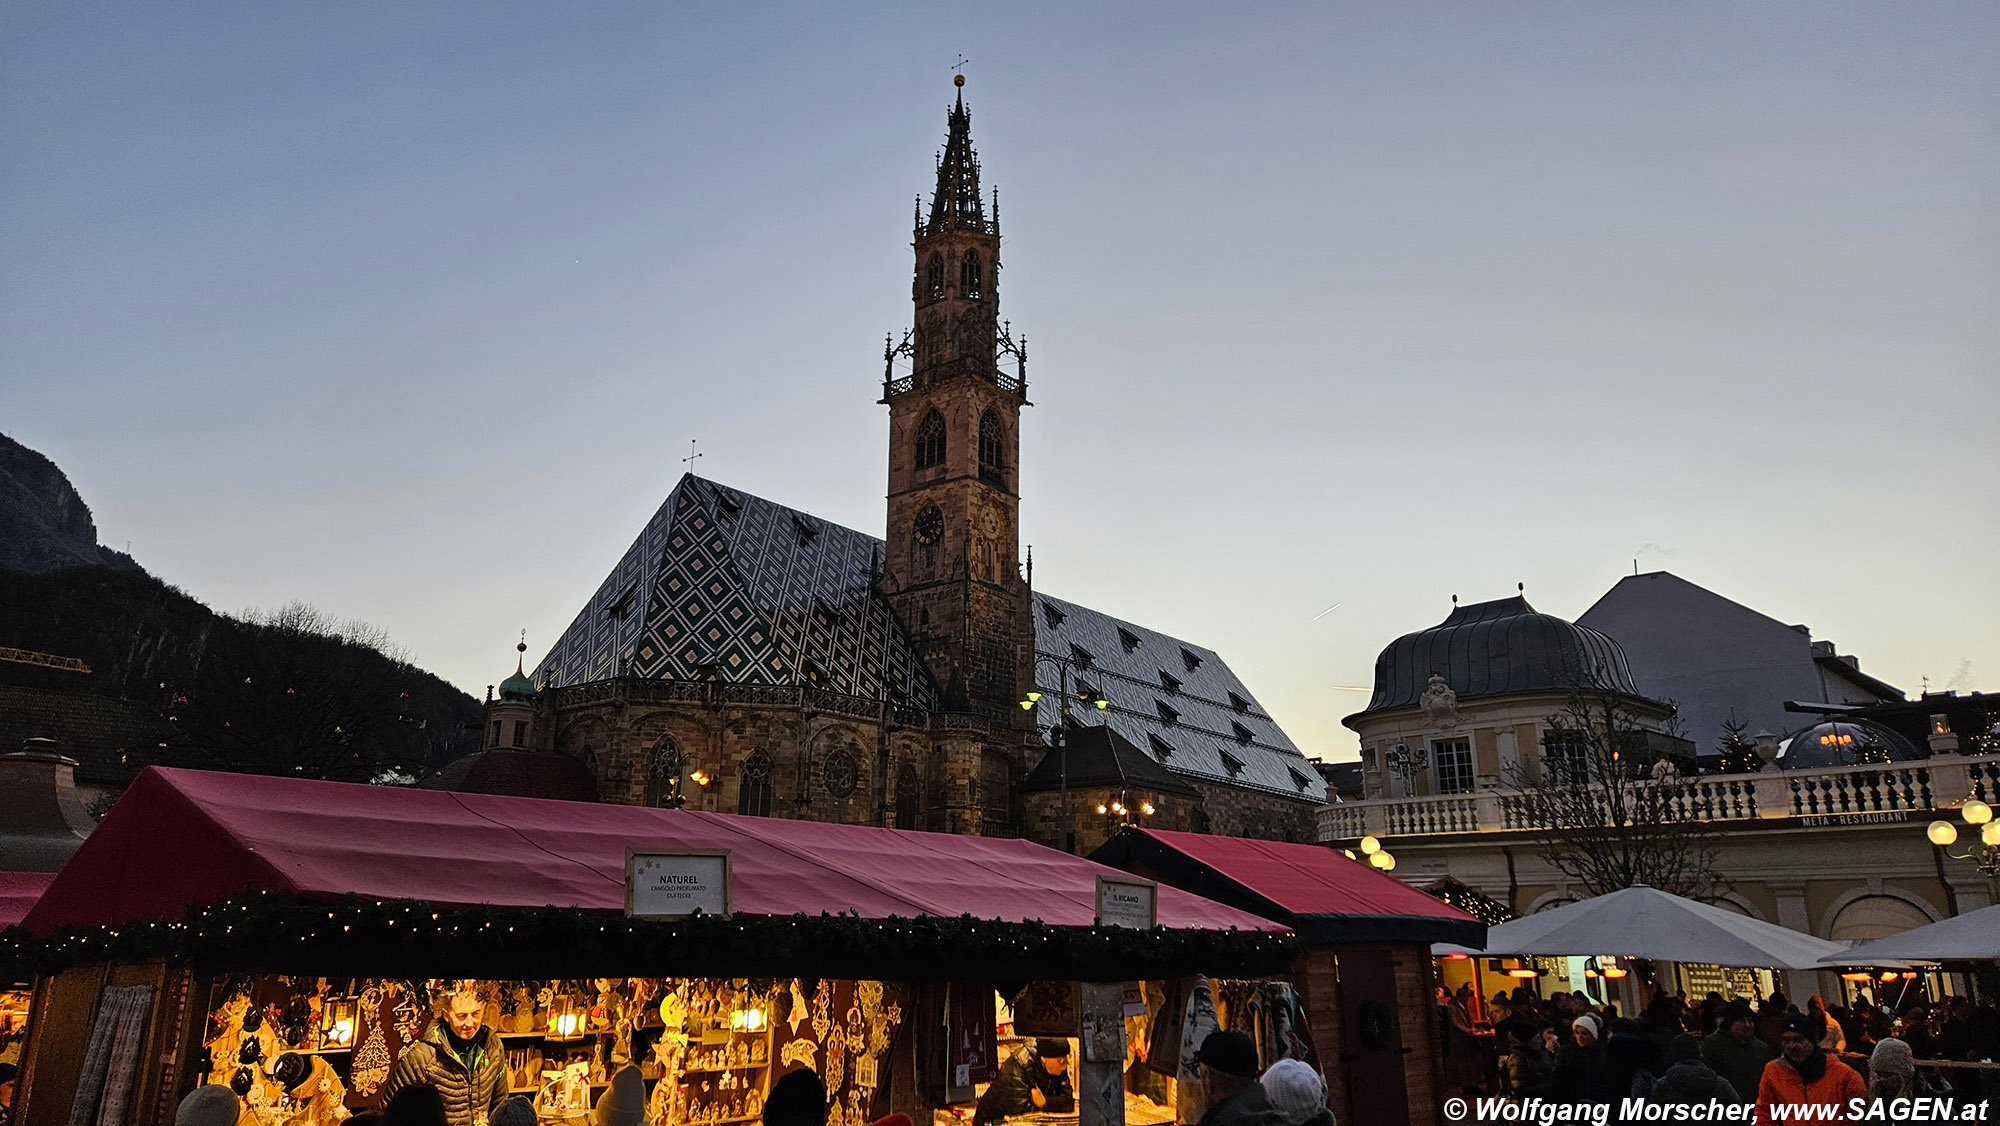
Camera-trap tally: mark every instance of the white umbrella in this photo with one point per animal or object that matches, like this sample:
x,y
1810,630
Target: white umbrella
x,y
1643,922
1961,938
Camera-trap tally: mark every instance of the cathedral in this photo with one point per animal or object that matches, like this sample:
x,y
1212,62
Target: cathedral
x,y
748,657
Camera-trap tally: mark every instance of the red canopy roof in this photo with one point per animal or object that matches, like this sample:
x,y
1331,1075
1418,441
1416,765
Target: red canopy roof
x,y
181,837
1315,888
18,892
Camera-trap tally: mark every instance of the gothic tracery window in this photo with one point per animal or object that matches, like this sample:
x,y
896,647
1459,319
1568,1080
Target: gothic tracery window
x,y
753,793
663,773
935,275
969,275
930,441
909,799
992,450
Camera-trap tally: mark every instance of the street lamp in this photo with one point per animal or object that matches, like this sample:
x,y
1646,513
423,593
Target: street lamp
x,y
1059,729
1986,854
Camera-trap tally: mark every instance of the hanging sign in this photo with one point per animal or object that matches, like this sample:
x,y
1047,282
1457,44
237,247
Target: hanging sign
x,y
1127,901
662,884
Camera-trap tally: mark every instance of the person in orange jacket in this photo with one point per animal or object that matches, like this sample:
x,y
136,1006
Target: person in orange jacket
x,y
1805,1073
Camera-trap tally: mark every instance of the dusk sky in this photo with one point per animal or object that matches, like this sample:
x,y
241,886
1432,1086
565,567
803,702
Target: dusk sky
x,y
410,310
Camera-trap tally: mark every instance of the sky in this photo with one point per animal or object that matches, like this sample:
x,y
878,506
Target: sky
x,y
411,310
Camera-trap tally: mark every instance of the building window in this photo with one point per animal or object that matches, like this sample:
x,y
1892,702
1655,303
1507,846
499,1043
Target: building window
x,y
520,732
753,794
1168,715
1298,780
663,774
1241,705
1243,734
909,799
1170,682
1453,759
1052,615
1566,756
1128,639
1081,655
992,450
1190,659
969,275
621,607
1162,749
1232,764
496,732
930,441
936,275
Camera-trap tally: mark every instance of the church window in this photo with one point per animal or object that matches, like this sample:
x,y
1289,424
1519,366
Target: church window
x,y
1241,705
969,275
909,799
496,732
1168,715
663,773
1243,734
1232,764
936,275
1170,682
930,441
1453,759
520,732
1190,658
840,773
992,450
1162,749
753,793
1128,639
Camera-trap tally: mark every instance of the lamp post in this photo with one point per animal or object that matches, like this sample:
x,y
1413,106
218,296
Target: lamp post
x,y
1060,730
1986,854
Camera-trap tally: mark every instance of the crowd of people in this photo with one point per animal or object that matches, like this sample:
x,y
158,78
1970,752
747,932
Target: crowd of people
x,y
1567,1048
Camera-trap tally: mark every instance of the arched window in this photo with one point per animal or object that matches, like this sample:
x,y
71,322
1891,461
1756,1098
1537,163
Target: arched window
x,y
996,791
753,793
930,441
969,275
663,772
992,450
936,275
909,799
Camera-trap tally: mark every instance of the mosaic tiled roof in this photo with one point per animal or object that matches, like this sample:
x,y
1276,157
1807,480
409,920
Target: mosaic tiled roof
x,y
724,583
1177,700
758,593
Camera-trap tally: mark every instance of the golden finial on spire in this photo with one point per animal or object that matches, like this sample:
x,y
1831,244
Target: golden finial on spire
x,y
958,80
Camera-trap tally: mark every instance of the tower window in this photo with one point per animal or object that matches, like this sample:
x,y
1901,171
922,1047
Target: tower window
x,y
1298,779
1081,655
520,732
992,450
930,441
969,275
935,275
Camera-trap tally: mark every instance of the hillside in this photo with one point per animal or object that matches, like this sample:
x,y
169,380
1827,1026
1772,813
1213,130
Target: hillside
x,y
171,681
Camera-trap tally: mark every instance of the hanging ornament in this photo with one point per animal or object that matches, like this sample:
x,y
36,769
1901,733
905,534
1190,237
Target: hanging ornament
x,y
798,1013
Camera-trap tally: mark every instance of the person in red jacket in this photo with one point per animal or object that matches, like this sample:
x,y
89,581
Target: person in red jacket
x,y
1805,1073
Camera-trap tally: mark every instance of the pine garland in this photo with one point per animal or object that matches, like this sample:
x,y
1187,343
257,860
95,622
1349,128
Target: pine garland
x,y
261,932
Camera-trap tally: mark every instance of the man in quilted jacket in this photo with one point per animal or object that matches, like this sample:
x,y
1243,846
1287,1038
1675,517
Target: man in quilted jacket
x,y
459,1056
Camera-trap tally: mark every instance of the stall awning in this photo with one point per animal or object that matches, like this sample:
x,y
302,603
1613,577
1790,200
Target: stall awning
x,y
18,892
1320,893
182,837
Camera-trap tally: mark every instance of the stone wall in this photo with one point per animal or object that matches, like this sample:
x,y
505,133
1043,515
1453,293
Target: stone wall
x,y
1233,811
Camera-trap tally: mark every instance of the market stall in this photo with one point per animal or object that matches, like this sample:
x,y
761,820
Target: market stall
x,y
1365,975
216,924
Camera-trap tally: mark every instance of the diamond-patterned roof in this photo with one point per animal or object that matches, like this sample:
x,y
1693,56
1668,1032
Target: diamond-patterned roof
x,y
727,583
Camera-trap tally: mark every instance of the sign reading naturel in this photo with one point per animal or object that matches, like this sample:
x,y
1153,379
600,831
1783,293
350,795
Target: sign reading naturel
x,y
668,884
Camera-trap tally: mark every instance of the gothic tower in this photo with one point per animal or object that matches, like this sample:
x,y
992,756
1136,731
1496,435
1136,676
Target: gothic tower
x,y
954,435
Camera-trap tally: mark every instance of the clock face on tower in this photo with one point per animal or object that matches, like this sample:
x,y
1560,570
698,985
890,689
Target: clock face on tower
x,y
929,527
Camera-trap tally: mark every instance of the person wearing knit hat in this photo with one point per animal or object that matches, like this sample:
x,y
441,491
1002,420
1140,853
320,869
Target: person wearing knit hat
x,y
212,1105
1805,1074
623,1103
516,1111
1892,1071
1583,1072
1033,1080
1587,1029
1736,1052
1299,1093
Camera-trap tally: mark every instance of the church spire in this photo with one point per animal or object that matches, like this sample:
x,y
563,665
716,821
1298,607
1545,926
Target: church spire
x,y
956,205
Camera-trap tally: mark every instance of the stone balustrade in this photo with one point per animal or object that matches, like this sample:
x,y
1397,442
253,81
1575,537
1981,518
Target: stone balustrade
x,y
1895,791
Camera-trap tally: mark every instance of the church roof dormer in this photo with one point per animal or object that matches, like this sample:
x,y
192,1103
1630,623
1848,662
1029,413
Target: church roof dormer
x,y
956,205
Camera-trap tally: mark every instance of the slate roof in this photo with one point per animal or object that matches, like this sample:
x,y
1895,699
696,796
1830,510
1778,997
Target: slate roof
x,y
1498,648
754,592
1099,756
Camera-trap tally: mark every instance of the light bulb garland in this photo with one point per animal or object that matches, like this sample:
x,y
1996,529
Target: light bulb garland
x,y
258,931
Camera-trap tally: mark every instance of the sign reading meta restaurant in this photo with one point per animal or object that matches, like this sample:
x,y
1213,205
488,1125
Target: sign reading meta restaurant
x,y
1127,902
668,884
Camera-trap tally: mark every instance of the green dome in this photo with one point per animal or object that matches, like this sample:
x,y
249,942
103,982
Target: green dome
x,y
520,686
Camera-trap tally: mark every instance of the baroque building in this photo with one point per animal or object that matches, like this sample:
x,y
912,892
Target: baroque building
x,y
748,657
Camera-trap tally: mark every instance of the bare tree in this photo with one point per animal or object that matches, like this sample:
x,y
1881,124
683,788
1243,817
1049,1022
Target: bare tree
x,y
1608,801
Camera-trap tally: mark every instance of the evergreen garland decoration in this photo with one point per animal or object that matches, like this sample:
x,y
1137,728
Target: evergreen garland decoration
x,y
260,932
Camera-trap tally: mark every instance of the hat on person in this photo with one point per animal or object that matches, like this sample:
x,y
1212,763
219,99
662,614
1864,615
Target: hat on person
x,y
1738,1009
798,1098
1589,1024
1230,1053
208,1106
1805,1024
1051,1047
1892,1057
1683,1047
623,1103
1295,1089
516,1111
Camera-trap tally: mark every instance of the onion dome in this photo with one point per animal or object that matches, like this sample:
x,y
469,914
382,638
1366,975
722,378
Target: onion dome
x,y
1845,742
1499,648
520,686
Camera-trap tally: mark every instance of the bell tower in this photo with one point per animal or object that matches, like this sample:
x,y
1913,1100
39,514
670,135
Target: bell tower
x,y
951,564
